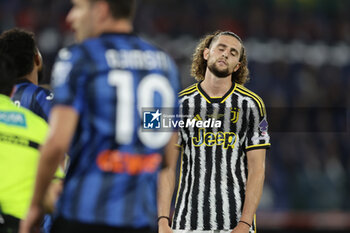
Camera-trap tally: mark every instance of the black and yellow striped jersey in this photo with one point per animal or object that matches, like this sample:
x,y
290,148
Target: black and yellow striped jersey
x,y
213,163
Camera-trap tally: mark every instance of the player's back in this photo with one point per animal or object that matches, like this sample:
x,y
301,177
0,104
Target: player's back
x,y
21,133
33,97
113,173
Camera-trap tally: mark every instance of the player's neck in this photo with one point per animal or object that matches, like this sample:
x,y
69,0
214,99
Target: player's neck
x,y
32,77
216,87
116,26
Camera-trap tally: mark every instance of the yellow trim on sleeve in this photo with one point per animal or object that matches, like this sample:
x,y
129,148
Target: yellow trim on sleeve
x,y
254,96
252,146
261,108
189,92
188,88
198,117
247,90
255,230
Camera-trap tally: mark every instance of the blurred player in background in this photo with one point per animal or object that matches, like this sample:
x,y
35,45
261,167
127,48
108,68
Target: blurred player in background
x,y
20,45
100,86
222,167
21,133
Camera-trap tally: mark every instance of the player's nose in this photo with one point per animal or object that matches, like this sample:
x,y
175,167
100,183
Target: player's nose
x,y
69,17
225,53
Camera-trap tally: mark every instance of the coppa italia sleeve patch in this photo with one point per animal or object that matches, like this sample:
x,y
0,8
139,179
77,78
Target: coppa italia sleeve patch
x,y
263,125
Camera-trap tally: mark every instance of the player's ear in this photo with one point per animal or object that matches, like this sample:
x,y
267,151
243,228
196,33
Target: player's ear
x,y
101,10
237,67
206,54
38,60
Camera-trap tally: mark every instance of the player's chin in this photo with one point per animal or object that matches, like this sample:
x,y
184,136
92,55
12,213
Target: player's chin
x,y
223,71
222,74
79,38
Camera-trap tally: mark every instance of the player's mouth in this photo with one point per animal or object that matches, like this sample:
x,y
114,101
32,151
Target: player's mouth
x,y
222,62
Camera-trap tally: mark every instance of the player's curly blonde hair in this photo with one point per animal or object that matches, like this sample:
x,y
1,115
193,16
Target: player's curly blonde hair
x,y
199,64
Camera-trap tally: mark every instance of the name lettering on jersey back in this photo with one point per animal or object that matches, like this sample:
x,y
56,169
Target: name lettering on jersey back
x,y
227,139
137,59
132,164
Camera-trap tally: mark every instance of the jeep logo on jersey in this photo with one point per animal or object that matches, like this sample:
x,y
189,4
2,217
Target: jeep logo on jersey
x,y
152,120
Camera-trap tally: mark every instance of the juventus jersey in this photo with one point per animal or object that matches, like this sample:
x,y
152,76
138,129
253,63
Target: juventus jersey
x,y
214,164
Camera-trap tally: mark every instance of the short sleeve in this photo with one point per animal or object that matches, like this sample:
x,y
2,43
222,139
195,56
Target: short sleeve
x,y
257,133
69,77
43,103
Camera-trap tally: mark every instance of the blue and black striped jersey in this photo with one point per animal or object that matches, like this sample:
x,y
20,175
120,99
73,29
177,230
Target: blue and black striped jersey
x,y
214,164
34,98
114,165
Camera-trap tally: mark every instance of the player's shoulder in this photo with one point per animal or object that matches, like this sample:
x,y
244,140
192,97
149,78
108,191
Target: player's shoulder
x,y
188,90
71,53
40,89
70,59
28,87
37,90
44,90
44,94
255,100
247,93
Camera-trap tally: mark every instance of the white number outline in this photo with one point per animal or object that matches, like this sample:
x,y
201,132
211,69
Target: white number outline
x,y
148,86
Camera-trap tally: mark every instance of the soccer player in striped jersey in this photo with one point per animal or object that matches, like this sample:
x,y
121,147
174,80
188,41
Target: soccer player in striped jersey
x,y
223,160
20,45
101,86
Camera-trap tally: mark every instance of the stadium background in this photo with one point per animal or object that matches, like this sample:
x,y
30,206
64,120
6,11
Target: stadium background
x,y
299,58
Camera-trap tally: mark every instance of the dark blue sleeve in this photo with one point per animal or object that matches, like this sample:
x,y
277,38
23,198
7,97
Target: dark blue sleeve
x,y
43,103
69,77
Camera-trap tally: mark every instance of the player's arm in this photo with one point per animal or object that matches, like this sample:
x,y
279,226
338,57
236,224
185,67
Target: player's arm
x,y
52,194
254,188
63,121
166,183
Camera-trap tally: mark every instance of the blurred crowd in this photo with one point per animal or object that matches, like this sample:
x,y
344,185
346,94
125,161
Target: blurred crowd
x,y
299,58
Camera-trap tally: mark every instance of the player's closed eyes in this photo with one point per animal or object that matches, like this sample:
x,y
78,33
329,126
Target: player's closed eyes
x,y
221,48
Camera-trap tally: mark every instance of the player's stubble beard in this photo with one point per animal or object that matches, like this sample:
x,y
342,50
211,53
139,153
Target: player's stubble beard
x,y
223,73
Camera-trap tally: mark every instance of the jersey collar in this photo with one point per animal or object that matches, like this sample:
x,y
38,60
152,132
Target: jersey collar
x,y
23,80
215,99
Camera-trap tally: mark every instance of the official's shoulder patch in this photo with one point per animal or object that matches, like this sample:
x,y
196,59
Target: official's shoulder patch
x,y
13,118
